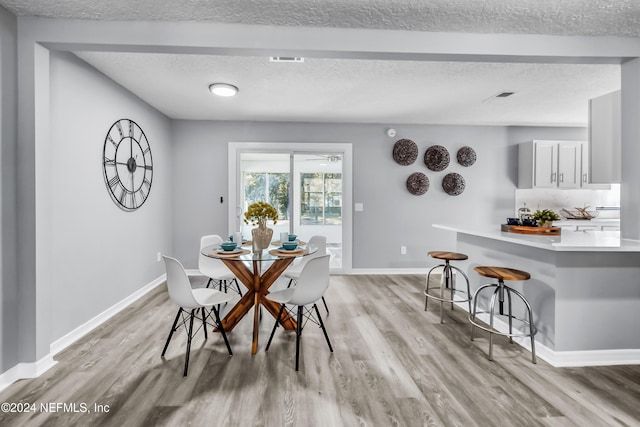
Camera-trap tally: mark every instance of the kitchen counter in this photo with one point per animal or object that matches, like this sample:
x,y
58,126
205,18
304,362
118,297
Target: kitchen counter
x,y
568,240
584,289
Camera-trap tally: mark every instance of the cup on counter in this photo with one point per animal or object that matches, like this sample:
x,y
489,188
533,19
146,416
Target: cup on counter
x,y
529,222
513,221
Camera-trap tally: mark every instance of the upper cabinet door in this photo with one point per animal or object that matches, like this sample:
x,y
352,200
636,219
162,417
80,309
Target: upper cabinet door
x,y
604,138
545,171
569,164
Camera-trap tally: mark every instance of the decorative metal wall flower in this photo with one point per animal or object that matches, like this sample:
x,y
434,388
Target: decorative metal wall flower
x,y
417,183
466,156
436,158
405,152
453,184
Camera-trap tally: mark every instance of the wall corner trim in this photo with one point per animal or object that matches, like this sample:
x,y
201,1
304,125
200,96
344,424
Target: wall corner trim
x,y
26,370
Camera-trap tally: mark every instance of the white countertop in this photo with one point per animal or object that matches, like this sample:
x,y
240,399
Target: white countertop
x,y
567,241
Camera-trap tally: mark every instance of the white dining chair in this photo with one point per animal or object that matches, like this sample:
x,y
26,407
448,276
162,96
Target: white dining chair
x,y
309,288
293,271
190,301
215,269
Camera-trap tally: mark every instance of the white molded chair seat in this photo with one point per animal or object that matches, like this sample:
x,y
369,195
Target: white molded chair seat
x,y
309,288
213,268
295,269
190,302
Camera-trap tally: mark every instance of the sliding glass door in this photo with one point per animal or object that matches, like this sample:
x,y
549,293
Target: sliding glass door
x,y
306,188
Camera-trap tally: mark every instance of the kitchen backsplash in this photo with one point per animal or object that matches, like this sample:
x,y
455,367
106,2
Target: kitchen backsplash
x,y
557,199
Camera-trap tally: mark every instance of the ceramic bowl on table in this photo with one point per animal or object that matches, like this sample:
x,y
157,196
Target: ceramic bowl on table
x,y
228,246
293,237
289,245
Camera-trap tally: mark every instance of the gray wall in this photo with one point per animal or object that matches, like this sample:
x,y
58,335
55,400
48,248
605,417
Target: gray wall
x,y
101,254
392,216
9,350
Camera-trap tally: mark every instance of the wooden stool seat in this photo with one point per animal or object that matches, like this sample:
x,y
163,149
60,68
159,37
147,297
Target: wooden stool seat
x,y
449,256
502,273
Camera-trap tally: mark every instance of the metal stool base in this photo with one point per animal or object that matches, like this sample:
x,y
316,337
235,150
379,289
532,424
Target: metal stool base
x,y
449,284
500,290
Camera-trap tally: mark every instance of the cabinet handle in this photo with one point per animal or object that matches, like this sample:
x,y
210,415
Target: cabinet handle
x,y
553,177
584,178
562,177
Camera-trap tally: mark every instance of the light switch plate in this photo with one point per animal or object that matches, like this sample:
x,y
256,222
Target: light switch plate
x,y
359,207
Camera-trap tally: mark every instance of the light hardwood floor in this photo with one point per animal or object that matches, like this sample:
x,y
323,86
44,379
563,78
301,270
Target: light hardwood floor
x,y
393,365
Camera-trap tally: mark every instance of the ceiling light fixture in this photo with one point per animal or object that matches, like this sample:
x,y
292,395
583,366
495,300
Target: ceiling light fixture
x,y
223,89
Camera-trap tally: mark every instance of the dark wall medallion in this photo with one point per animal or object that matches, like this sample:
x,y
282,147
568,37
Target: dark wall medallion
x,y
417,183
453,184
436,158
466,156
405,152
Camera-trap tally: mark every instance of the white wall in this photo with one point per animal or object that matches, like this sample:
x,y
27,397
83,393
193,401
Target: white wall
x,y
392,216
101,254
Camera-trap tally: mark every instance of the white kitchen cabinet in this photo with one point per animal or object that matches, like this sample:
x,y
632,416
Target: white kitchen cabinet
x,y
550,164
604,138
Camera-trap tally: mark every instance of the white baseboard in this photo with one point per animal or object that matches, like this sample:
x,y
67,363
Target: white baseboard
x,y
388,271
64,342
564,359
35,369
26,370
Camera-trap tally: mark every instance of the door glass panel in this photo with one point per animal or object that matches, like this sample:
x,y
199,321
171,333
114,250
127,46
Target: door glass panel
x,y
265,177
305,189
317,206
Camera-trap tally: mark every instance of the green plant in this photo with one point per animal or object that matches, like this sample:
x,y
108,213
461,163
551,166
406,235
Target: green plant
x,y
258,213
545,215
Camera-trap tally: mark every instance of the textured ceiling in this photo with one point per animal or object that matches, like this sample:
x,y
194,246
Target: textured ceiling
x,y
362,91
562,17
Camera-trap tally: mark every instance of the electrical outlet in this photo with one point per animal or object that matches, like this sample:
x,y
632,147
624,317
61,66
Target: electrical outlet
x,y
403,250
159,257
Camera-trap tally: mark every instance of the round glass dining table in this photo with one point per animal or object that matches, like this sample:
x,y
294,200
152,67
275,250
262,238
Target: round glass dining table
x,y
257,271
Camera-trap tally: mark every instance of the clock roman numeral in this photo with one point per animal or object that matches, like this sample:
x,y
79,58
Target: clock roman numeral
x,y
112,141
109,162
119,127
114,182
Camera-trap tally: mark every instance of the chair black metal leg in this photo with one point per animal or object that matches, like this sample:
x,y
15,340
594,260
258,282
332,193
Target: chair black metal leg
x,y
204,323
273,331
186,358
222,331
323,328
237,286
209,282
173,328
298,334
290,283
325,305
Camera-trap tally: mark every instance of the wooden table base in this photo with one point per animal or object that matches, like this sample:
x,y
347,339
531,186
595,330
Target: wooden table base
x,y
258,287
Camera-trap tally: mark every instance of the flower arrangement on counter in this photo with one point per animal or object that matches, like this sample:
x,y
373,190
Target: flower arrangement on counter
x,y
258,213
545,217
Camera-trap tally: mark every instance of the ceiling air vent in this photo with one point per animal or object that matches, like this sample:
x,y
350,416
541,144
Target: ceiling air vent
x,y
285,59
499,95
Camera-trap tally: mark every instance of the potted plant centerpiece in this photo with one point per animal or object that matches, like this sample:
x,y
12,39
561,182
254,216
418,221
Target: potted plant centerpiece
x,y
545,217
257,214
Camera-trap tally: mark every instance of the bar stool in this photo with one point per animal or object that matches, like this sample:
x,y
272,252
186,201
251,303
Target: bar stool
x,y
448,281
502,274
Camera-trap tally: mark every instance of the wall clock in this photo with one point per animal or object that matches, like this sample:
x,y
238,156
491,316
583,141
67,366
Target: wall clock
x,y
127,164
